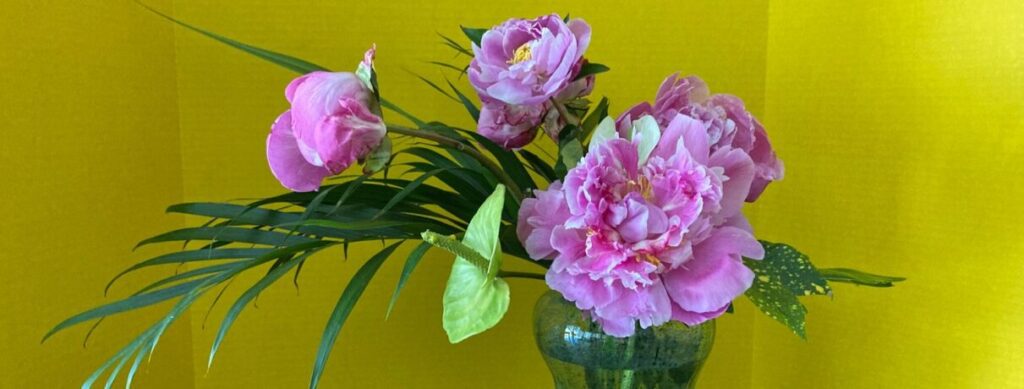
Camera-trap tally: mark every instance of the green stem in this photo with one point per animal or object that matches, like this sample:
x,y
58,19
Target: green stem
x,y
569,118
514,189
627,376
517,274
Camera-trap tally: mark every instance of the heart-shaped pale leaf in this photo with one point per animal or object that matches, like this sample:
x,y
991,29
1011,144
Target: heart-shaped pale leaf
x,y
475,299
472,303
483,229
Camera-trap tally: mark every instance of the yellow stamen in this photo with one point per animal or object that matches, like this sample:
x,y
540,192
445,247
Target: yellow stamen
x,y
647,257
642,185
521,54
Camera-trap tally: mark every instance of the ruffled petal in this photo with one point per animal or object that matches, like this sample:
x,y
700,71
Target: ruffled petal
x,y
715,275
739,173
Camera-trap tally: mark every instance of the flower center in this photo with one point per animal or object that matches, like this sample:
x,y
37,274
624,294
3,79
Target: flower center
x,y
649,258
641,185
521,54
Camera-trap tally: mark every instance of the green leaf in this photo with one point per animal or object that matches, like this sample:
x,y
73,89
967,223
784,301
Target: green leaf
x,y
783,264
508,161
127,304
858,277
474,298
455,45
779,278
406,191
779,303
227,234
346,303
466,102
474,34
190,256
539,165
218,268
410,264
589,69
143,344
448,66
436,88
263,283
596,115
234,213
395,108
286,61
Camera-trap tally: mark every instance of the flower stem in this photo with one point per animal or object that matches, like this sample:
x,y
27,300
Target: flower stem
x,y
517,274
514,189
569,118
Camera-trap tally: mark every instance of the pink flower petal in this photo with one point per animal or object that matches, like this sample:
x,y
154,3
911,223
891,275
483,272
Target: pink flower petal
x,y
286,161
715,275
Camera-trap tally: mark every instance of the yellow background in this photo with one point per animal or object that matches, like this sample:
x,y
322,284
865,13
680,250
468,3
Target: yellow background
x,y
901,125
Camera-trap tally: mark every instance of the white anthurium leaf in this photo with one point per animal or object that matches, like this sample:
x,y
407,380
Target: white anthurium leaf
x,y
605,131
482,232
645,135
572,153
474,298
472,303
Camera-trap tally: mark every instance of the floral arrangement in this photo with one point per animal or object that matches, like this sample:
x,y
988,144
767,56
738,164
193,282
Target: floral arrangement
x,y
637,220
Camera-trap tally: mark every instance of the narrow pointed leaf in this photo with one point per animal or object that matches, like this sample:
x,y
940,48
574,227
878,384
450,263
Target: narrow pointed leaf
x,y
130,303
858,277
542,168
228,234
435,87
346,303
466,102
259,286
591,68
288,62
474,34
412,186
191,256
410,264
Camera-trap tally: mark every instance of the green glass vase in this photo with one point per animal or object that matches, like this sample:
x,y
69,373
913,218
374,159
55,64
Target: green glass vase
x,y
580,355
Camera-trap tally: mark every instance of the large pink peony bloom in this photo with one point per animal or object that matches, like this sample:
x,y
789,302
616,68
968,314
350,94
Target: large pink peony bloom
x,y
727,121
647,228
331,125
526,62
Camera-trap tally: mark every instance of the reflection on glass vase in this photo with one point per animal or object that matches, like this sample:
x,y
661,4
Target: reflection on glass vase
x,y
580,355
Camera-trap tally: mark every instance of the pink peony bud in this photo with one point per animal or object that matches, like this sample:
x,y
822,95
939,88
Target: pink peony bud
x,y
331,125
510,126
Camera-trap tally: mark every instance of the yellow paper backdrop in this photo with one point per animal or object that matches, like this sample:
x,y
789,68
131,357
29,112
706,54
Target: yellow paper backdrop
x,y
900,125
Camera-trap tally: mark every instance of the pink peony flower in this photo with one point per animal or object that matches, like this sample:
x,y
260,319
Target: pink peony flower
x,y
526,62
331,124
726,119
647,228
510,126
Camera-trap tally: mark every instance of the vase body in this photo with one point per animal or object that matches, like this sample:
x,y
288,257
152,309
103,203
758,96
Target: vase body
x,y
580,355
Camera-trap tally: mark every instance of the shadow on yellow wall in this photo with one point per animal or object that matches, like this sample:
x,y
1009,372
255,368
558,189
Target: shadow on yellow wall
x,y
900,126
